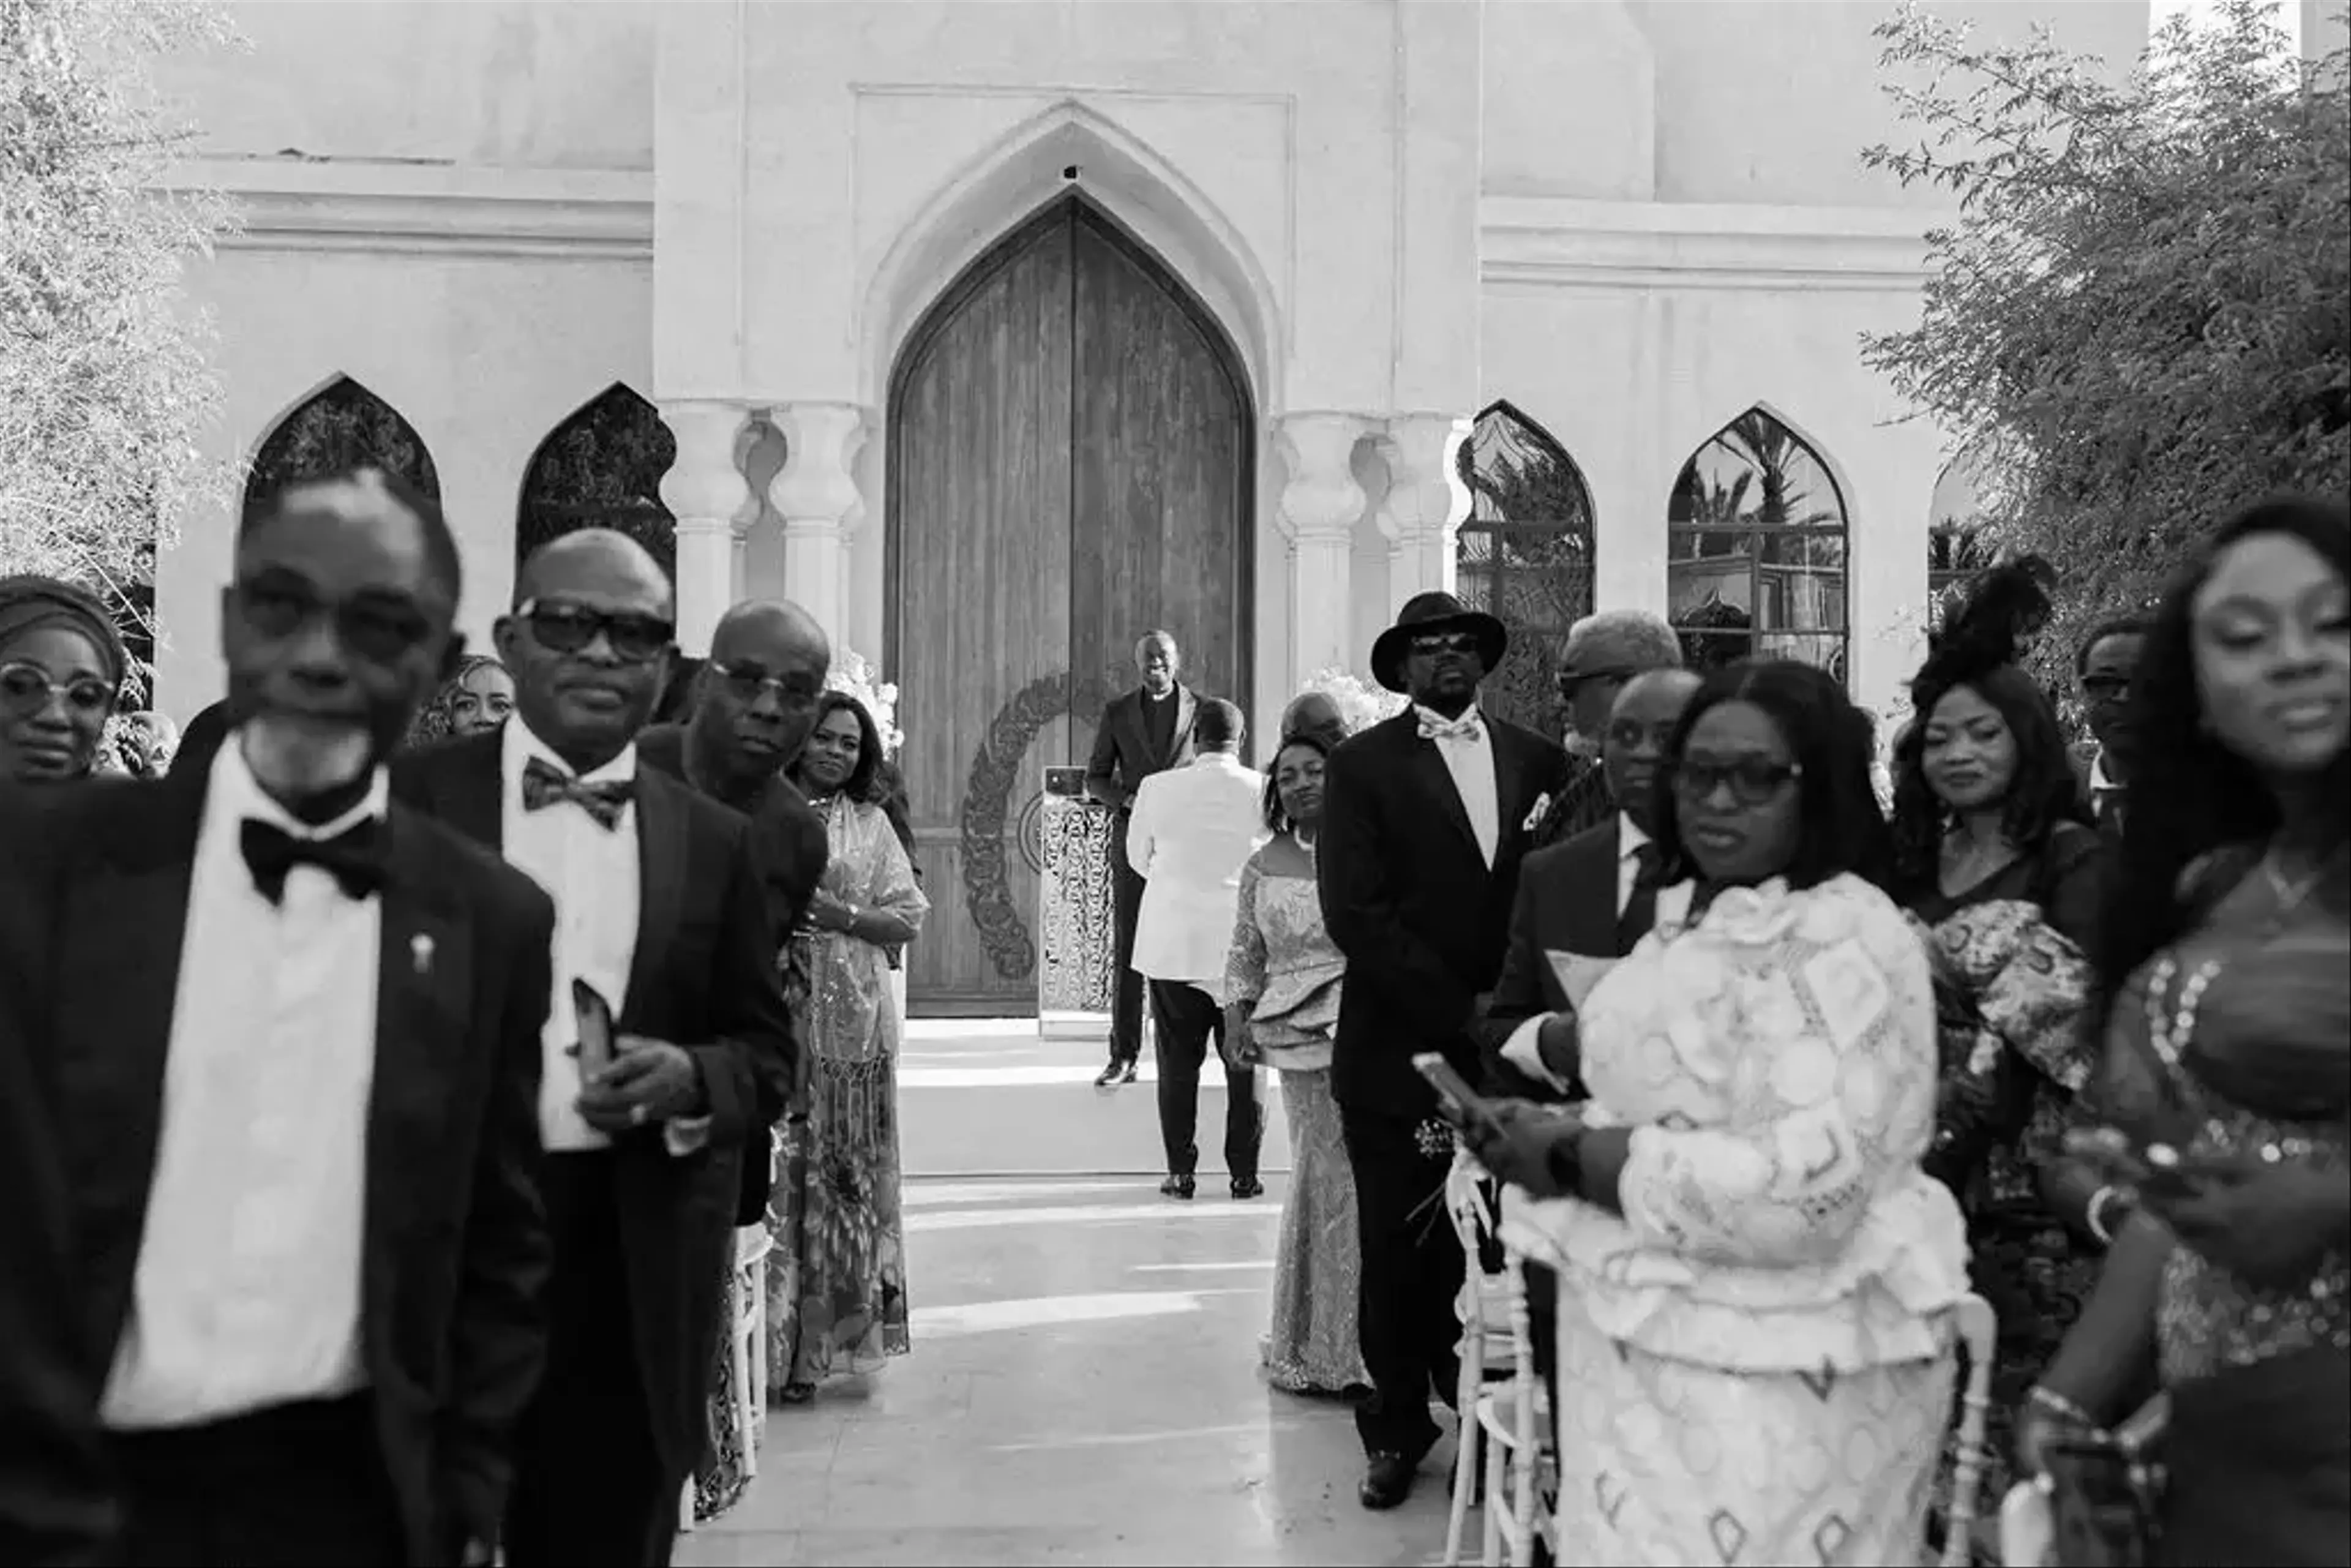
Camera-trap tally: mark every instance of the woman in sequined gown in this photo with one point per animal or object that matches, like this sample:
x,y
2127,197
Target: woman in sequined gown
x,y
837,1278
2225,959
1281,995
1996,862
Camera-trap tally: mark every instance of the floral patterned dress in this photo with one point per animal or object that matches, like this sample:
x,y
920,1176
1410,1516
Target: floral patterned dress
x,y
837,1278
1285,970
1760,1346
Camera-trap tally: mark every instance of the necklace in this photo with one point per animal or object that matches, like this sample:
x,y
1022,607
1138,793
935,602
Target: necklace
x,y
1305,842
2289,891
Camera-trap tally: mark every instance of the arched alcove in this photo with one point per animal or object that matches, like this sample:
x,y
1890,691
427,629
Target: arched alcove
x,y
342,425
1957,544
1756,548
1525,555
600,468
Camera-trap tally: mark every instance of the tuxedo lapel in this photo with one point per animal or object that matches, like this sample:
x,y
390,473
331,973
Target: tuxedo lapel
x,y
662,846
124,916
1427,766
1179,743
1511,801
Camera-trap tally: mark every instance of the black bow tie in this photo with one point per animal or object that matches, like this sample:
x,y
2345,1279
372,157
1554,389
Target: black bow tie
x,y
354,857
545,785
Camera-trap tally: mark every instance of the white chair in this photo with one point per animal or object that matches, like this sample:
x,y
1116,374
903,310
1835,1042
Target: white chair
x,y
1979,1331
746,1349
1492,1310
1515,1419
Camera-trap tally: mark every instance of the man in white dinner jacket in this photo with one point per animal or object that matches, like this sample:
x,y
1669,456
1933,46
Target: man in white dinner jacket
x,y
1193,830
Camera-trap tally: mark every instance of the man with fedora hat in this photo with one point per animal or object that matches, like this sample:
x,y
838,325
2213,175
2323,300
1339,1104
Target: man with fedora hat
x,y
1426,817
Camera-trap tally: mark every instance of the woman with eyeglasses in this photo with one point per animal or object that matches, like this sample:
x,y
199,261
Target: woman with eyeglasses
x,y
2223,1003
1996,861
838,1275
1754,1301
62,665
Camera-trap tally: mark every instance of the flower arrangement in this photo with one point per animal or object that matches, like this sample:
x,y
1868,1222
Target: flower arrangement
x,y
852,674
1359,703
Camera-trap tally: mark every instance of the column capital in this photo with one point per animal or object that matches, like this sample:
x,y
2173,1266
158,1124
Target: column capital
x,y
816,489
1322,498
1426,495
703,484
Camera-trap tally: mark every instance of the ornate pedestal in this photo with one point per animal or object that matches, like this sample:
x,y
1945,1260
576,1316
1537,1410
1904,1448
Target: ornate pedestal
x,y
1075,945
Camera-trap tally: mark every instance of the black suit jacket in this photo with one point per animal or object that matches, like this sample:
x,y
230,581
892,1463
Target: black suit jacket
x,y
1409,899
703,976
1124,756
1566,904
93,908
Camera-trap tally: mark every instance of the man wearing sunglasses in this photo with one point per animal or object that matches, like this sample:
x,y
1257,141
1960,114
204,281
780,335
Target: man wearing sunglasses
x,y
292,1028
2105,667
663,944
1603,652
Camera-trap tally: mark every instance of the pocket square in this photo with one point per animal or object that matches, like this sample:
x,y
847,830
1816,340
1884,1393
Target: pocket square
x,y
1535,817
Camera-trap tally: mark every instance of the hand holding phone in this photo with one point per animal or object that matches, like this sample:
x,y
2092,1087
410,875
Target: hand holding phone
x,y
1461,1106
593,1015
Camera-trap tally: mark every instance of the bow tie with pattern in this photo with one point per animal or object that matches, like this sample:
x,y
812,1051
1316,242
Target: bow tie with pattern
x,y
1469,726
544,785
354,857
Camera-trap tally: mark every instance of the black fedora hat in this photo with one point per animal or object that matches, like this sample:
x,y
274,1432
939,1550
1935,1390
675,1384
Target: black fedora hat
x,y
1426,613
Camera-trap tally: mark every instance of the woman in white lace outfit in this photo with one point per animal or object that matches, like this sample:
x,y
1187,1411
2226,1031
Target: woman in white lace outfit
x,y
1282,998
1754,1310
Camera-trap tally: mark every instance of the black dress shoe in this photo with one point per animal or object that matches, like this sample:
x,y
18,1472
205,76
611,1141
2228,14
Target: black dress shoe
x,y
1116,1073
1178,1186
1387,1480
1248,1188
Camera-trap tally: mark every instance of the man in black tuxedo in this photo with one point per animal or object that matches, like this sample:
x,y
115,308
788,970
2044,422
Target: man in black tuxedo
x,y
1145,731
1426,818
291,1028
752,703
661,914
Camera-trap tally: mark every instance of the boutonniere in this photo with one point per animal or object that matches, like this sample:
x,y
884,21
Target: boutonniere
x,y
1535,817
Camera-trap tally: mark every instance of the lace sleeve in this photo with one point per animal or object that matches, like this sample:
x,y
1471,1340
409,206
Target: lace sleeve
x,y
1831,1092
1245,960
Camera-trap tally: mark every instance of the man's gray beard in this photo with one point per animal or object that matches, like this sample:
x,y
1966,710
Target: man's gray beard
x,y
294,759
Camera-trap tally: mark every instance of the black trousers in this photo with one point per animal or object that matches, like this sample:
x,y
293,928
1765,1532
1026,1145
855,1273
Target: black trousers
x,y
589,1484
1125,985
1412,1271
1188,1019
294,1486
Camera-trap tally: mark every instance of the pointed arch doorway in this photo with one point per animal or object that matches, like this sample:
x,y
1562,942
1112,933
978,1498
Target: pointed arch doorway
x,y
1070,464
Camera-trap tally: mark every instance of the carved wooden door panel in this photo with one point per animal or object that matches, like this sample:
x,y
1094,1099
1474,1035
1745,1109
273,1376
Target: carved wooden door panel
x,y
1069,466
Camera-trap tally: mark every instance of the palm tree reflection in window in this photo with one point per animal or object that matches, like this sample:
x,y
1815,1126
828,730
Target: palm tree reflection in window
x,y
1756,550
1525,555
601,468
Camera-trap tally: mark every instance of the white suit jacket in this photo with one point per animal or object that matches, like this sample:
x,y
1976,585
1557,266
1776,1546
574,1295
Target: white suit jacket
x,y
1193,830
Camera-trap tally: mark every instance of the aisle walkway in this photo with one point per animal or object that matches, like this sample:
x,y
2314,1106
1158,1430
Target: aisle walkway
x,y
1083,1387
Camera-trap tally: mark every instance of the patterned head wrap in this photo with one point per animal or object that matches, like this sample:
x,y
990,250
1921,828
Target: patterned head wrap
x,y
30,603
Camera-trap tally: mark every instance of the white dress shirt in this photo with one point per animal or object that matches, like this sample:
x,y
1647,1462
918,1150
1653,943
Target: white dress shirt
x,y
1470,760
1193,830
246,1290
1521,1049
592,874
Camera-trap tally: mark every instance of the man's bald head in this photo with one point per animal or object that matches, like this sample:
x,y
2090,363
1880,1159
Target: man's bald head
x,y
770,631
1640,723
596,564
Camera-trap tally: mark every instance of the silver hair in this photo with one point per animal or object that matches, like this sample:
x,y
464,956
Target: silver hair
x,y
1621,642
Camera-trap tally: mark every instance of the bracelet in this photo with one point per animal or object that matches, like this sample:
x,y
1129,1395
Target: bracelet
x,y
2056,1404
2094,1215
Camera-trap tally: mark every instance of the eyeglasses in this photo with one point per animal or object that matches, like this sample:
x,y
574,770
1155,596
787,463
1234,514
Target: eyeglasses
x,y
1446,642
2106,688
378,627
1572,680
561,628
747,680
1627,733
1754,780
25,689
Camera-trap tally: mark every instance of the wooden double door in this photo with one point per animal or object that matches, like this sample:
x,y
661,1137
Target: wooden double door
x,y
1070,465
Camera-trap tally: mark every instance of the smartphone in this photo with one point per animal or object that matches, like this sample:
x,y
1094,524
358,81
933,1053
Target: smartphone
x,y
594,1015
1459,1104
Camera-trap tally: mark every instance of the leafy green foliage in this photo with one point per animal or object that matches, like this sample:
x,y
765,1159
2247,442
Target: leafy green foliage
x,y
339,427
103,381
1524,555
2142,317
601,468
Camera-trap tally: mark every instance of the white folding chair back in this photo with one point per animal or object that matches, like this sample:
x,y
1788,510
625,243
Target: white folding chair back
x,y
746,1340
1514,1420
2028,1530
1979,1331
1484,1315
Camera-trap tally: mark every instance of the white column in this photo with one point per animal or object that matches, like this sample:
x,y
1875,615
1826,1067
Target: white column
x,y
1427,501
815,493
704,490
1320,505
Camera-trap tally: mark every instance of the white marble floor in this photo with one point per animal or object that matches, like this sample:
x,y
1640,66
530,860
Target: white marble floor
x,y
1083,1387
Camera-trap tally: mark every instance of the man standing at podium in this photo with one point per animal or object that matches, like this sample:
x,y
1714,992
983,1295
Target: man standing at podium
x,y
1145,731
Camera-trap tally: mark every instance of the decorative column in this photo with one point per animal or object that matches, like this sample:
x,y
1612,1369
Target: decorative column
x,y
704,490
1427,501
815,493
1320,505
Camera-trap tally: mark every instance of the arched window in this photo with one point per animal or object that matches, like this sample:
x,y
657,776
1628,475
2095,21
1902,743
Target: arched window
x,y
1958,547
342,425
601,468
1524,555
1756,550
